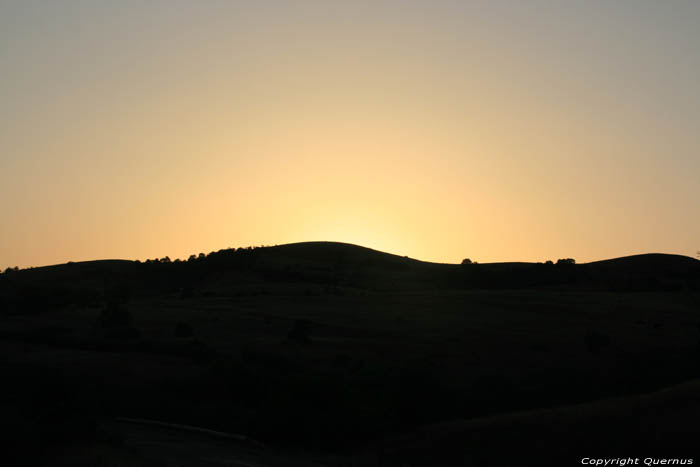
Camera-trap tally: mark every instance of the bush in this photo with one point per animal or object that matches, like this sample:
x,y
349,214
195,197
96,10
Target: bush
x,y
116,322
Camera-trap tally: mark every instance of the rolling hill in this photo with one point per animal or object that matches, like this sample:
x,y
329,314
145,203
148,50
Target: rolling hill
x,y
334,348
355,266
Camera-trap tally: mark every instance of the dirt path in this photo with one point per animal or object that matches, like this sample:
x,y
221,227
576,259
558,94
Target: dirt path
x,y
178,447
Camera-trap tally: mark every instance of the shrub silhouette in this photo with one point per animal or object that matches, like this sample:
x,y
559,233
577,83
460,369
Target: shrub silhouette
x,y
116,322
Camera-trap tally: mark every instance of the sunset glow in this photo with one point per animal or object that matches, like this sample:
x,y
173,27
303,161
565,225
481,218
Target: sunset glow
x,y
498,131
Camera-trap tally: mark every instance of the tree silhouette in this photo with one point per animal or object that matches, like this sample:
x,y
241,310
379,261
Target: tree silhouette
x,y
116,322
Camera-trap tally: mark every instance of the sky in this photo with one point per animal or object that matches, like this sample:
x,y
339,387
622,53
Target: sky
x,y
440,130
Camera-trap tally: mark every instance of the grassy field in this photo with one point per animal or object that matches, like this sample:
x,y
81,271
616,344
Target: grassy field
x,y
343,350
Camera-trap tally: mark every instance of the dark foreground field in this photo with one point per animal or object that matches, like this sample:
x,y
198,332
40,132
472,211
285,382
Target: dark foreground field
x,y
332,354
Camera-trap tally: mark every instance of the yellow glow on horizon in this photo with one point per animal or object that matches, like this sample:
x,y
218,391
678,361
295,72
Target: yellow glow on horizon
x,y
438,133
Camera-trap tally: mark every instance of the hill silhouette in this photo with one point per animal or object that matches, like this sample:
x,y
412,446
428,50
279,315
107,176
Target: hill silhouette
x,y
339,349
357,266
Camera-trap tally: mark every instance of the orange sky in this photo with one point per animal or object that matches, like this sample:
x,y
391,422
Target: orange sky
x,y
437,130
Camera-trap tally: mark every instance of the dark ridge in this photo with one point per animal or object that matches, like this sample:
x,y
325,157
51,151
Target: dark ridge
x,y
334,252
341,267
443,444
326,250
346,253
330,346
649,261
74,269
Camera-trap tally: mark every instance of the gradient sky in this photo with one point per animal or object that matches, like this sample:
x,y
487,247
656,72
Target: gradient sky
x,y
439,130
